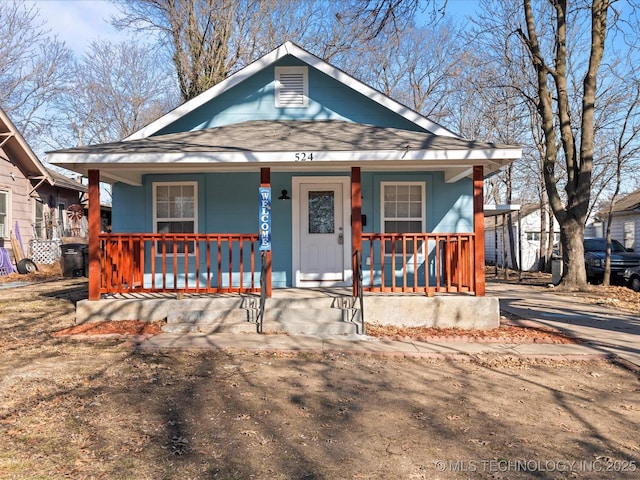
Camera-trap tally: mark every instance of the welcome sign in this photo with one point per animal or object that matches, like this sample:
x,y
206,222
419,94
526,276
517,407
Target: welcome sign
x,y
264,218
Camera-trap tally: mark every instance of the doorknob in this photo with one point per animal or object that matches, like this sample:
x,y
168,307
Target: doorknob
x,y
340,238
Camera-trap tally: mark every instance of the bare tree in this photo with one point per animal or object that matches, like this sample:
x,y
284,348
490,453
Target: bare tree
x,y
33,69
562,142
209,39
424,71
115,90
625,147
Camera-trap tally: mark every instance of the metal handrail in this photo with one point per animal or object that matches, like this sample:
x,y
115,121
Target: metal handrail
x,y
263,292
359,288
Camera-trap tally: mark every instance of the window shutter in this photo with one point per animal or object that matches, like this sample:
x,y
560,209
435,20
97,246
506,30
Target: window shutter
x,y
292,87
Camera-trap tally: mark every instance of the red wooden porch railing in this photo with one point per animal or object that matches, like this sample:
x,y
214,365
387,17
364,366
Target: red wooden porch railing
x,y
419,262
215,263
227,263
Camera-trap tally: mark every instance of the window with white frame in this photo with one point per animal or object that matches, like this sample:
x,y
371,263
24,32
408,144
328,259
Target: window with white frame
x,y
175,211
533,236
4,214
39,226
403,210
629,231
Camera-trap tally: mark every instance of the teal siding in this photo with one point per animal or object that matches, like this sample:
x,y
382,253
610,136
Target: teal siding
x,y
228,203
254,99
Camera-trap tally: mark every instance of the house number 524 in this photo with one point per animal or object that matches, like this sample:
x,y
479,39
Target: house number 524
x,y
304,157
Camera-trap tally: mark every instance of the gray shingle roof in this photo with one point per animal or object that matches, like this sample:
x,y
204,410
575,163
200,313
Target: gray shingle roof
x,y
628,203
288,136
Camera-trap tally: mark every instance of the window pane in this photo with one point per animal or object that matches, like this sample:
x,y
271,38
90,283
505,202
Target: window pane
x,y
389,209
187,191
175,210
162,194
416,193
402,194
415,210
403,210
175,191
389,193
3,203
162,210
188,210
175,227
414,226
321,212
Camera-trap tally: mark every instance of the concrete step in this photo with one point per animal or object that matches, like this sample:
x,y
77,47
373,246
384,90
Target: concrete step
x,y
234,320
211,328
294,316
337,302
328,321
212,315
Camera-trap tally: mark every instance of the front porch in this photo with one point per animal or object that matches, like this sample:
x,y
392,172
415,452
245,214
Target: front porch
x,y
429,263
212,282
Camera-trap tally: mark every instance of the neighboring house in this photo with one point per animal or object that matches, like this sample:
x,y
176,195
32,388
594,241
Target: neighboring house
x,y
353,173
527,243
32,197
625,223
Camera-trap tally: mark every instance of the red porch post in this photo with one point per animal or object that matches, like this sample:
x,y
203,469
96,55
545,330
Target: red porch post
x,y
265,181
478,228
94,234
356,223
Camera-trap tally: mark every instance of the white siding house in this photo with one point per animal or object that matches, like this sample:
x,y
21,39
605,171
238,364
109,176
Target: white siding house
x,y
527,242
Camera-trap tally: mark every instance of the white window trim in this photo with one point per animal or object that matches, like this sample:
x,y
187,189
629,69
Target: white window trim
x,y
304,71
423,218
154,186
5,233
39,227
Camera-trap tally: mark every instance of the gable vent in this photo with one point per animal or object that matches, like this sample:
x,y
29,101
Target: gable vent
x,y
292,88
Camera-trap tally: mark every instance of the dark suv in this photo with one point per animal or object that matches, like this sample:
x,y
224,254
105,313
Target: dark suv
x,y
594,255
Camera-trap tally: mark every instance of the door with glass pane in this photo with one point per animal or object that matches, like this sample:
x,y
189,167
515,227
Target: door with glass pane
x,y
322,235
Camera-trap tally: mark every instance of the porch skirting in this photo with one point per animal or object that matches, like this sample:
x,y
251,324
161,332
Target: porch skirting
x,y
445,311
459,311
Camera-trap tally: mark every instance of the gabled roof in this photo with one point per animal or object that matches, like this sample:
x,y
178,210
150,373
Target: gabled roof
x,y
628,203
19,151
283,50
23,157
63,181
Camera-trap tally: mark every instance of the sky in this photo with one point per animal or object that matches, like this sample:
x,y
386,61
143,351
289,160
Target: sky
x,y
79,22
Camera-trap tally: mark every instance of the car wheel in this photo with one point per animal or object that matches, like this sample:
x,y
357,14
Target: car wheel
x,y
26,265
634,283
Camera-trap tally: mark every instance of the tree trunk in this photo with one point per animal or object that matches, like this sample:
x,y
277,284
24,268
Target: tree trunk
x,y
551,236
512,247
572,235
542,247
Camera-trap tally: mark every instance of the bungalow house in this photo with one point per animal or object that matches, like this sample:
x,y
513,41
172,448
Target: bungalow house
x,y
292,172
33,200
625,222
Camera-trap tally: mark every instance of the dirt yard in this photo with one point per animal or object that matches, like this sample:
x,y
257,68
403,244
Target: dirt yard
x,y
99,408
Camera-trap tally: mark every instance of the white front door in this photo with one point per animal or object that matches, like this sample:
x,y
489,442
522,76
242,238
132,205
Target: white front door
x,y
323,237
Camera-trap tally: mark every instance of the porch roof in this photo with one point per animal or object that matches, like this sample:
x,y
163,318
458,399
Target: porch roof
x,y
286,145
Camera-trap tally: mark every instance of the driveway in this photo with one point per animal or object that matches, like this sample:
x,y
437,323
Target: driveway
x,y
608,330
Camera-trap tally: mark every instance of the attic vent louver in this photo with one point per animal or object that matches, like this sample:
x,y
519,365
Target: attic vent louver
x,y
292,88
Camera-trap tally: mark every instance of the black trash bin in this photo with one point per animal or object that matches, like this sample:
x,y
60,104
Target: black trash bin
x,y
85,256
73,263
